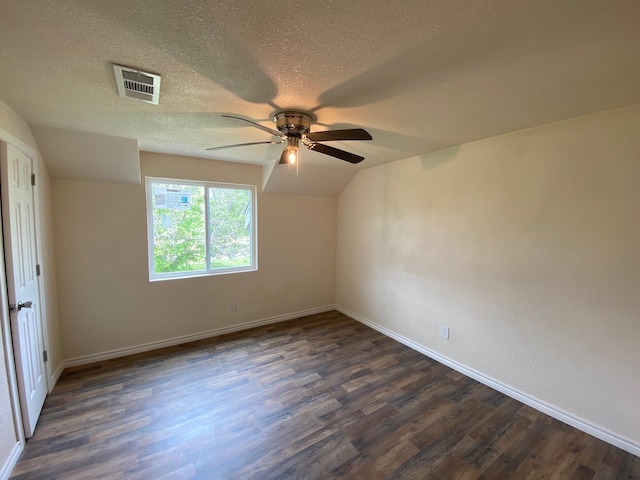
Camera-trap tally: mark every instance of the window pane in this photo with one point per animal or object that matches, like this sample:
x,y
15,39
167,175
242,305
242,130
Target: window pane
x,y
230,227
178,227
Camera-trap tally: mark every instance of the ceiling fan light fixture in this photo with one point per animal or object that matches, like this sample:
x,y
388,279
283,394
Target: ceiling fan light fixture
x,y
292,156
293,146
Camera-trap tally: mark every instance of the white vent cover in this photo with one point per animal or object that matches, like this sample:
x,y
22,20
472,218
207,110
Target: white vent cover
x,y
136,84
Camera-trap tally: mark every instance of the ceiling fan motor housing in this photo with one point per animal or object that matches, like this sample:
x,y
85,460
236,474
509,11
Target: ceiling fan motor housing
x,y
293,123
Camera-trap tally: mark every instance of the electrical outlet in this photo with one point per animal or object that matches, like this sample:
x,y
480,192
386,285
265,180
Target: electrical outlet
x,y
232,307
444,332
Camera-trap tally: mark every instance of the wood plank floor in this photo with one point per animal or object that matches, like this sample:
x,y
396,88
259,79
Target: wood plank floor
x,y
322,397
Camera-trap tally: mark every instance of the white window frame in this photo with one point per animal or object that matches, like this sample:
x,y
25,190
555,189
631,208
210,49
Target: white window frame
x,y
208,271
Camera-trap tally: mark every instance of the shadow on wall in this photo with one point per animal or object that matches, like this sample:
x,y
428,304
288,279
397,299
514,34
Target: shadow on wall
x,y
433,160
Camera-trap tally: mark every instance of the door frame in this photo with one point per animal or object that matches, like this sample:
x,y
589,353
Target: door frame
x,y
4,298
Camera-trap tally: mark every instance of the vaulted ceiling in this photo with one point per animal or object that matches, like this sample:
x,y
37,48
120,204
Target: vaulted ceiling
x,y
418,75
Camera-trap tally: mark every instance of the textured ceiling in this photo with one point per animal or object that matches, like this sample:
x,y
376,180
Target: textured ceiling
x,y
419,75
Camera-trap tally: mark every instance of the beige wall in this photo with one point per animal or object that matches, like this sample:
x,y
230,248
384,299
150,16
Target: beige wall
x,y
15,130
8,433
47,260
16,127
106,299
527,246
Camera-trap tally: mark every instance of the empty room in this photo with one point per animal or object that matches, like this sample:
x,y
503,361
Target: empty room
x,y
320,240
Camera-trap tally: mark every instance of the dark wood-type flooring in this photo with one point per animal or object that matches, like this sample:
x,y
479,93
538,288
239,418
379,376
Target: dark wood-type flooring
x,y
322,397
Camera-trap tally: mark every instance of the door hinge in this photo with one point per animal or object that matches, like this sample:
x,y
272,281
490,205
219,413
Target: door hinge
x,y
45,356
38,273
33,179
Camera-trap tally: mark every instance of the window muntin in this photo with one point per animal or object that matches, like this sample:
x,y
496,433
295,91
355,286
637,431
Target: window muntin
x,y
200,228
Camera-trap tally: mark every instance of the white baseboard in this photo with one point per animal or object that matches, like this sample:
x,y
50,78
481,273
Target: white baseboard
x,y
533,402
123,352
10,463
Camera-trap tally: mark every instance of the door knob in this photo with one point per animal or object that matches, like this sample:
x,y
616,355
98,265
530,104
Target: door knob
x,y
21,305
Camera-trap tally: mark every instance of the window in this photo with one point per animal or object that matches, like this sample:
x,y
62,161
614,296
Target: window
x,y
200,228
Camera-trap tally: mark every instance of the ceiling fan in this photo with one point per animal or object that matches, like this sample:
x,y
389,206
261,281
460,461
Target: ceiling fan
x,y
293,127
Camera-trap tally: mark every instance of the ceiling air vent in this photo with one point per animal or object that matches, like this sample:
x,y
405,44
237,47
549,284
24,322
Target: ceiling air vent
x,y
136,84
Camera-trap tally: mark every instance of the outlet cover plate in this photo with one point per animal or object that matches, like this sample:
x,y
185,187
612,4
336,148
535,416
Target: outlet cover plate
x,y
444,332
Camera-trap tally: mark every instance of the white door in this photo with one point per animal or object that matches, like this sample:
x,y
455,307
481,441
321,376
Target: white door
x,y
18,220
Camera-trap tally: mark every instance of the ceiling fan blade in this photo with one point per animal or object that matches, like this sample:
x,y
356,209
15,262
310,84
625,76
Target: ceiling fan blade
x,y
284,158
335,152
349,134
257,125
244,145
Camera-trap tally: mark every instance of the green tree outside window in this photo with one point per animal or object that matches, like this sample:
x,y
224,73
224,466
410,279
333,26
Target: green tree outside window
x,y
180,227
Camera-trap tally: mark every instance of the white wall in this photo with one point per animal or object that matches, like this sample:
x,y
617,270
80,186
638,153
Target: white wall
x,y
527,246
106,299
